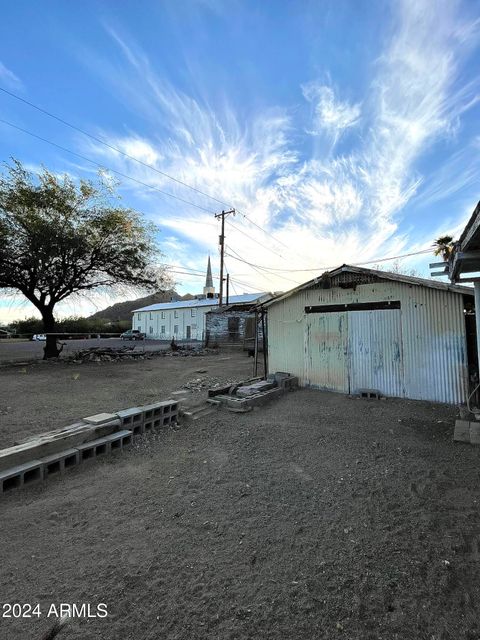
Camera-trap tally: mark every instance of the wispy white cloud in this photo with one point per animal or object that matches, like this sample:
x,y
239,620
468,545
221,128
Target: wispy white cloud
x,y
325,209
9,79
331,115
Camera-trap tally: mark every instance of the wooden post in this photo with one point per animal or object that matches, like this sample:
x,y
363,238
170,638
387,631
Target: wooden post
x,y
255,360
264,342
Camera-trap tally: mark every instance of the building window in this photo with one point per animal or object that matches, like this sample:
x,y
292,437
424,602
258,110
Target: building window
x,y
163,329
175,329
163,315
194,313
175,314
139,316
194,327
151,315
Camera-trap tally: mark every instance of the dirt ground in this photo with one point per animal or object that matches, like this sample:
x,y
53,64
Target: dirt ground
x,y
41,396
317,516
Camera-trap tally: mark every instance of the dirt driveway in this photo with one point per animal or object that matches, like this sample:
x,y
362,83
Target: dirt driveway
x,y
317,516
41,396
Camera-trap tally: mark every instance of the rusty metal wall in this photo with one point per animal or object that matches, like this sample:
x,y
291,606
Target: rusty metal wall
x,y
326,351
433,344
375,351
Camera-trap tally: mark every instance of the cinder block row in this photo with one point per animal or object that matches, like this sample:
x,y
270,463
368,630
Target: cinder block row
x,y
105,446
58,463
131,422
152,416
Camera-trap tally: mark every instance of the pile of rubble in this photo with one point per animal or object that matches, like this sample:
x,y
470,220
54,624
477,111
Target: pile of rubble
x,y
112,354
207,382
189,352
107,354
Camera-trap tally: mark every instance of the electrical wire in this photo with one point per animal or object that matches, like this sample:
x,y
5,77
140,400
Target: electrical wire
x,y
110,146
238,257
102,166
326,268
133,158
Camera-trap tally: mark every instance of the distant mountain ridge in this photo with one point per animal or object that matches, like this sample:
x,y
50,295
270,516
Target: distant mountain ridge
x,y
123,310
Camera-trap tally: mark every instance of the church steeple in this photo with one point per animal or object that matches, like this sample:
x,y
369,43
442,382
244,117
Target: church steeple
x,y
208,289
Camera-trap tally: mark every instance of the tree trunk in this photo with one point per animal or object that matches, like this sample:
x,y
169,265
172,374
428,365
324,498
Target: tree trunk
x,y
51,349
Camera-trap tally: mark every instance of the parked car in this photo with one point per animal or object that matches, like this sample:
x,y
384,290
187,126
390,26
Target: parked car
x,y
133,334
39,337
5,334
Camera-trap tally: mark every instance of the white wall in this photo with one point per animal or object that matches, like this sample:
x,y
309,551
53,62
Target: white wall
x,y
152,322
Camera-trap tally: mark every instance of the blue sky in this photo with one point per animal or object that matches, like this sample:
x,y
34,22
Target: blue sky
x,y
346,130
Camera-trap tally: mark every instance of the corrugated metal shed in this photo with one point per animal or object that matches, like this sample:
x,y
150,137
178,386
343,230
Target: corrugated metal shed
x,y
355,328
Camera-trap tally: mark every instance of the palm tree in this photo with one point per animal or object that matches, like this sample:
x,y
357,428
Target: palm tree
x,y
444,247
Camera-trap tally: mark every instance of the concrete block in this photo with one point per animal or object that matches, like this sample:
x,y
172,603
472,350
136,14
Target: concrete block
x,y
46,444
148,426
371,394
100,418
132,419
475,432
21,475
462,431
104,446
60,462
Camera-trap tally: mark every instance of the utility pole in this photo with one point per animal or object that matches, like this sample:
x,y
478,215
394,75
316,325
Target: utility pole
x,y
221,242
228,286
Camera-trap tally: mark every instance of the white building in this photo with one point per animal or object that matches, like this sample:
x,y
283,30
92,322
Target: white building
x,y
184,319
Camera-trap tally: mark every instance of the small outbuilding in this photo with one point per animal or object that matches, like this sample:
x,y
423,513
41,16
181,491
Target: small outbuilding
x,y
234,325
355,329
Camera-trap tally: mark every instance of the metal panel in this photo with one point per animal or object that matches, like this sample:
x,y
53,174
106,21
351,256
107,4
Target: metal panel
x,y
434,344
433,333
375,351
326,337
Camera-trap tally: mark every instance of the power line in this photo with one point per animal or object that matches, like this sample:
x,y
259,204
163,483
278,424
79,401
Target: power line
x,y
238,257
110,146
326,268
130,157
98,164
255,240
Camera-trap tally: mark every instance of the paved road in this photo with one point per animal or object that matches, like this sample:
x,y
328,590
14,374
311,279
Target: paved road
x,y
11,351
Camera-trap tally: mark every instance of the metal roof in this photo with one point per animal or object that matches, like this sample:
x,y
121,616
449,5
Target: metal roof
x,y
385,275
204,302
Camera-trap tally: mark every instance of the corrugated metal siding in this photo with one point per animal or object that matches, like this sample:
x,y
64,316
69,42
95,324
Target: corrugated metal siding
x,y
434,346
375,351
326,337
432,329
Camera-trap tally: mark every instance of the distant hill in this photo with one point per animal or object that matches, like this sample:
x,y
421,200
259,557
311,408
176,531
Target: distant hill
x,y
123,310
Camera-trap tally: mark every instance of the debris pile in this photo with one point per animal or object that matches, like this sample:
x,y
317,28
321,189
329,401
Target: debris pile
x,y
108,354
117,354
207,382
188,351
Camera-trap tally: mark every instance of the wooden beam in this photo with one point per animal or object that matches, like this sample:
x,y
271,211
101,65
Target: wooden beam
x,y
439,273
468,255
432,265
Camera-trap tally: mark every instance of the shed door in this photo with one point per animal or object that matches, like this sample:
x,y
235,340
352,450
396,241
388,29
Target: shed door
x,y
326,358
375,346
